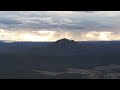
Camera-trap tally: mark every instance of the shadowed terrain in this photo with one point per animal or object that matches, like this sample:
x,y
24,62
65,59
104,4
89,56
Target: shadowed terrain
x,y
30,59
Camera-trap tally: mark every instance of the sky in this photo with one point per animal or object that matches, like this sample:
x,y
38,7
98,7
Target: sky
x,y
54,25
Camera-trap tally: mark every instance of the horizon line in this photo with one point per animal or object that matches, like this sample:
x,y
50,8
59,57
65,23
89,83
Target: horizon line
x,y
10,41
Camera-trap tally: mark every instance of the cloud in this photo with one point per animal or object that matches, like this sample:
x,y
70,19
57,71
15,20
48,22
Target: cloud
x,y
102,36
58,19
52,35
9,21
78,25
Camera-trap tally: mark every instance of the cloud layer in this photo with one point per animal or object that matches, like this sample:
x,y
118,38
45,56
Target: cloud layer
x,y
53,25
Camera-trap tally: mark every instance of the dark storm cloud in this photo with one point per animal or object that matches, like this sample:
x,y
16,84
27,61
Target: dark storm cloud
x,y
9,21
38,26
70,20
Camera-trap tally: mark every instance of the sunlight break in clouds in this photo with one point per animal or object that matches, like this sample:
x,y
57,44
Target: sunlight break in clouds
x,y
45,35
55,35
26,35
102,36
99,35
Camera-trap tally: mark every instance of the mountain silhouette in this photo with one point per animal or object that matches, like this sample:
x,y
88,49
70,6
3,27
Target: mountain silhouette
x,y
65,43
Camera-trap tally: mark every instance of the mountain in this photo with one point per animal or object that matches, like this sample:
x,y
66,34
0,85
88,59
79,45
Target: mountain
x,y
65,43
64,40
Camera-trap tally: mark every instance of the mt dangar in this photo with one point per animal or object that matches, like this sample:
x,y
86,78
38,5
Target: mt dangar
x,y
65,43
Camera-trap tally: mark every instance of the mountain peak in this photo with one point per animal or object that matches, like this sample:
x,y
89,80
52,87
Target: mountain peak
x,y
64,40
65,43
